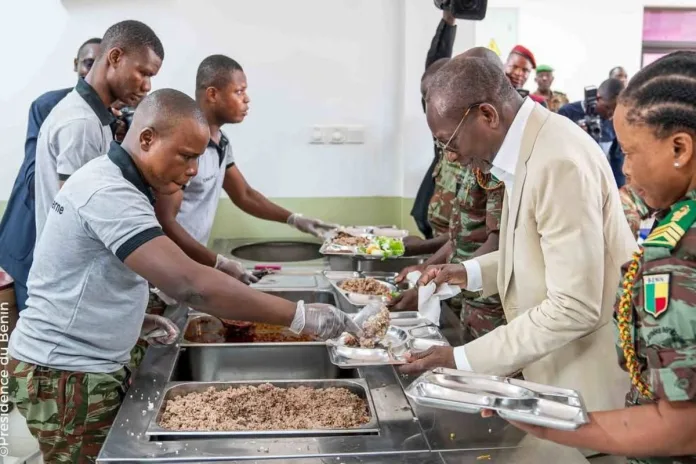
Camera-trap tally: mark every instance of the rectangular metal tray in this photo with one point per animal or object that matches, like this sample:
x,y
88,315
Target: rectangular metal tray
x,y
358,299
512,399
198,331
328,248
175,389
408,319
397,342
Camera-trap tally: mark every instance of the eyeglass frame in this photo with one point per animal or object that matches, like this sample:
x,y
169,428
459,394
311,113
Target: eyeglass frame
x,y
445,147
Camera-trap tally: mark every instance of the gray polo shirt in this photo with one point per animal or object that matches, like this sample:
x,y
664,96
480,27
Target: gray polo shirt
x,y
202,193
75,132
85,306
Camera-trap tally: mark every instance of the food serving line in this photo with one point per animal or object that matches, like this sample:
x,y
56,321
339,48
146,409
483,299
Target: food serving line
x,y
397,430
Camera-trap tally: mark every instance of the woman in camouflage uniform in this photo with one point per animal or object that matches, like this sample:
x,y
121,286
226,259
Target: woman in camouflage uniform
x,y
656,310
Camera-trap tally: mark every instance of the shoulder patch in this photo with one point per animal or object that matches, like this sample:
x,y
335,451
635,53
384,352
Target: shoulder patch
x,y
671,229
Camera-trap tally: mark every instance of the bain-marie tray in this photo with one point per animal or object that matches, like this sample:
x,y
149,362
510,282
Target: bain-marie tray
x,y
512,399
392,349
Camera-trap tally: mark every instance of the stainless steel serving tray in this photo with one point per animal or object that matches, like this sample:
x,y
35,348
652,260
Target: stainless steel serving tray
x,y
336,279
331,249
175,389
512,399
204,328
408,319
392,350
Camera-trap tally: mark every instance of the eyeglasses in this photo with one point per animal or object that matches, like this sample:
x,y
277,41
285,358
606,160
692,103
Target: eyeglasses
x,y
446,146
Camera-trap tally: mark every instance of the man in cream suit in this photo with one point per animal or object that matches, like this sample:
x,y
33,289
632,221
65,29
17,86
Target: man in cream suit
x,y
563,237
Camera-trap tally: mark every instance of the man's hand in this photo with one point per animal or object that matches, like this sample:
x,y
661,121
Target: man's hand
x,y
406,271
406,301
321,320
310,226
234,269
453,274
449,17
437,356
158,330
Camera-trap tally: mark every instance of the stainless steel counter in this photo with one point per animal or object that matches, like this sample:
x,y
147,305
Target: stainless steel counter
x,y
406,434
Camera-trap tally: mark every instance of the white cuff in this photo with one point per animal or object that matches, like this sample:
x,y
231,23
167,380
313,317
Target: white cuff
x,y
474,279
460,359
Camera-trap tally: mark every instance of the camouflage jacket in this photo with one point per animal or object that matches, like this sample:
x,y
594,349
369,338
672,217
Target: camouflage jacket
x,y
556,100
663,324
447,177
477,213
634,208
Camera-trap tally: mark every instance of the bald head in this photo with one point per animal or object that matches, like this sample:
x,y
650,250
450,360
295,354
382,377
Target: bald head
x,y
468,80
164,110
427,78
483,53
168,134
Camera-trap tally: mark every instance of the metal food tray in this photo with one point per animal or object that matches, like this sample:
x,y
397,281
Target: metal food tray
x,y
336,278
512,399
330,249
394,346
175,389
408,319
208,332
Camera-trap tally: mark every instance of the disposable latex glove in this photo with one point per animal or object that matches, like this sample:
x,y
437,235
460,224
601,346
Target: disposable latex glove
x,y
234,269
321,320
158,330
310,226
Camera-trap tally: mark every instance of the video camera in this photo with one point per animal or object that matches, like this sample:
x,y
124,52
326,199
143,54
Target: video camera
x,y
592,121
464,9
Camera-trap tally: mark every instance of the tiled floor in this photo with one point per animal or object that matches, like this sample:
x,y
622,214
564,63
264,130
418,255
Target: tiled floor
x,y
23,447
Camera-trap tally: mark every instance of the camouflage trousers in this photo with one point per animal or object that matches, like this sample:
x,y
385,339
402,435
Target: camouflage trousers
x,y
69,413
480,316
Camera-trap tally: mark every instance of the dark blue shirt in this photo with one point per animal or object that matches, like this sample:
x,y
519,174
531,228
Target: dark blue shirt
x,y
575,112
18,228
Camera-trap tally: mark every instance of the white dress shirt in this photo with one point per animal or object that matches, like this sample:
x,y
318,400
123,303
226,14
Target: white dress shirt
x,y
504,166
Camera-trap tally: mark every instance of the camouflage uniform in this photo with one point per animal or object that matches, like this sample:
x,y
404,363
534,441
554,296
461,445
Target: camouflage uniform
x,y
70,413
634,208
447,176
661,316
555,101
477,213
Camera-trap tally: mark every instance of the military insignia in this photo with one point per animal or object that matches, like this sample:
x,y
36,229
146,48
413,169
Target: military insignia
x,y
656,294
670,230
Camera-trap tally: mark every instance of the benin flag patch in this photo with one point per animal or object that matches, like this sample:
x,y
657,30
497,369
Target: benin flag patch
x,y
656,293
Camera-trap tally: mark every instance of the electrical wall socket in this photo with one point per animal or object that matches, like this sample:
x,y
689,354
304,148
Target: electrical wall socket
x,y
337,134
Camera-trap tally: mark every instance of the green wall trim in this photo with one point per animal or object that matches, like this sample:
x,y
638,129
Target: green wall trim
x,y
231,222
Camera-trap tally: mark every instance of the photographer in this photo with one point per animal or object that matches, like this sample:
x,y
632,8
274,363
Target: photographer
x,y
594,114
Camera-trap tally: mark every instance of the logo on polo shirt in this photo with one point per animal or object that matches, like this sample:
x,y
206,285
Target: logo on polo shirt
x,y
57,207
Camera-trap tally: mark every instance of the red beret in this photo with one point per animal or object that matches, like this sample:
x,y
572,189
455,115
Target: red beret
x,y
537,98
524,51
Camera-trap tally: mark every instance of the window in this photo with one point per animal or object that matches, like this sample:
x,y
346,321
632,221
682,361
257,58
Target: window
x,y
666,30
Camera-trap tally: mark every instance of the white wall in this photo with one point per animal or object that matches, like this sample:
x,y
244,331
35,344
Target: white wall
x,y
309,62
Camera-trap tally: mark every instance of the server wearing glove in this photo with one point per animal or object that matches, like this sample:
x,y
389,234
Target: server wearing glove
x,y
18,226
187,215
88,287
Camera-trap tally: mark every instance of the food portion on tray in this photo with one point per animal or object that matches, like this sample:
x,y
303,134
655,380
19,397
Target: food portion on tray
x,y
365,286
265,407
204,328
361,289
380,342
367,241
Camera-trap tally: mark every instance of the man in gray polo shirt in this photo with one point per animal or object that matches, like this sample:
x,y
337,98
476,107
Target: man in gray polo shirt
x,y
77,130
88,286
187,217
